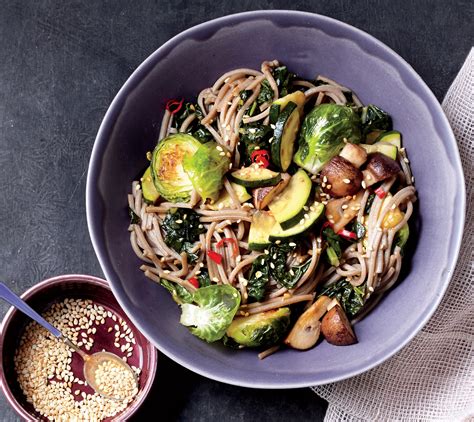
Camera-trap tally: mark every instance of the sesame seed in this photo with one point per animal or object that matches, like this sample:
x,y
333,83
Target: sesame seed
x,y
345,206
364,185
346,181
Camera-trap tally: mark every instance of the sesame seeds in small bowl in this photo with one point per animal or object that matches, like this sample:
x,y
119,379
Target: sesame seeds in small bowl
x,y
43,379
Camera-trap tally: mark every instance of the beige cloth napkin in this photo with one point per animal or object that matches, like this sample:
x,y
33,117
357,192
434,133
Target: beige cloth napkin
x,y
432,378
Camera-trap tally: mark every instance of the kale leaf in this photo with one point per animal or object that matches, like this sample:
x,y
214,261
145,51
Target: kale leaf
x,y
350,297
253,136
258,278
333,240
359,229
179,293
283,78
368,204
273,265
182,229
203,278
266,93
134,218
374,118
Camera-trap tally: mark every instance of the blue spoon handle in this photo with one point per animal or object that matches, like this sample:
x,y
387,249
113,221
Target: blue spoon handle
x,y
17,302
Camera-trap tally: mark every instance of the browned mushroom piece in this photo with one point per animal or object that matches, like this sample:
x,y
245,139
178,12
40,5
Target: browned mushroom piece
x,y
341,211
379,167
340,178
263,196
355,154
336,328
305,332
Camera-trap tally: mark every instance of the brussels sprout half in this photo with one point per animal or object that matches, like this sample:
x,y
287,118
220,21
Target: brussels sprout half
x,y
323,133
170,179
263,329
216,306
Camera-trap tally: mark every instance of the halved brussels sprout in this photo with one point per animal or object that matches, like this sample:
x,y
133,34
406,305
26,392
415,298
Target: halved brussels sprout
x,y
206,169
215,308
323,133
170,179
263,329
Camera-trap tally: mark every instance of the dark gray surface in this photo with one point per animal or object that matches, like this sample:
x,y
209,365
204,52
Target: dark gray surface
x,y
62,63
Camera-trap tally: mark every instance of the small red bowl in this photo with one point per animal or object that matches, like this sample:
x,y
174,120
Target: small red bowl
x,y
42,296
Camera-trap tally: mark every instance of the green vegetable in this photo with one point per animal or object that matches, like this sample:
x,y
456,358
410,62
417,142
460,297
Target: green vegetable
x,y
203,278
322,135
171,180
266,93
134,218
195,128
255,177
258,278
284,136
273,265
206,169
263,329
253,136
333,240
150,195
306,224
401,237
283,79
374,118
332,257
350,297
179,293
214,311
358,229
288,207
182,230
260,228
369,202
285,277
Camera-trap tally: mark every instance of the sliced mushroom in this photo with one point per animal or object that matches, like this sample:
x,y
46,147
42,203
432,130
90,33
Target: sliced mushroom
x,y
379,167
340,212
336,328
340,177
263,196
305,332
355,154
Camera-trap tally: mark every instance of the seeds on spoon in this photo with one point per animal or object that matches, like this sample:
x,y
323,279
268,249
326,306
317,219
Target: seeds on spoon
x,y
44,365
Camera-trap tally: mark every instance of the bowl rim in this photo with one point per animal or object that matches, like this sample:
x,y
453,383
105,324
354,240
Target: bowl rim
x,y
81,279
393,59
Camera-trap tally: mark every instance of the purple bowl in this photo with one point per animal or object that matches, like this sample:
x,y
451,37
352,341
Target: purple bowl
x,y
308,44
41,296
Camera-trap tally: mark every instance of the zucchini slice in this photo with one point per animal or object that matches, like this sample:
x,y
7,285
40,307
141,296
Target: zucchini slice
x,y
387,149
309,219
394,137
284,136
225,201
296,97
261,226
255,177
150,194
288,206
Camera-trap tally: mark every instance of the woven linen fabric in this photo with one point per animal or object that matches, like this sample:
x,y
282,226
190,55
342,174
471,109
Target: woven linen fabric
x,y
432,378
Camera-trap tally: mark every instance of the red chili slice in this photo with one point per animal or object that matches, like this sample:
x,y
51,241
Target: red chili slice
x,y
230,241
216,257
173,106
194,281
261,156
347,234
380,192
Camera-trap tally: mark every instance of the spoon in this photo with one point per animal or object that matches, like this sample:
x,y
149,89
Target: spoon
x,y
94,364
